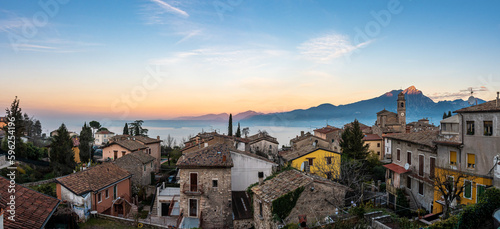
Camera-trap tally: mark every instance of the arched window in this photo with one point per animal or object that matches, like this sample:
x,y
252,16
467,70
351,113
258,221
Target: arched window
x,y
402,104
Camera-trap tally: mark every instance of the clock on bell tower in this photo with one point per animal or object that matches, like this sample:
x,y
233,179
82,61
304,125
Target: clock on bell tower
x,y
402,109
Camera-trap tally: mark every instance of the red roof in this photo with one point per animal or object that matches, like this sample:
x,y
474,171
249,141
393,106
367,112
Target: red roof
x,y
104,132
372,137
396,168
326,129
33,209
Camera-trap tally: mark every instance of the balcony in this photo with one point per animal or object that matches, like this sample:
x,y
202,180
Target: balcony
x,y
193,190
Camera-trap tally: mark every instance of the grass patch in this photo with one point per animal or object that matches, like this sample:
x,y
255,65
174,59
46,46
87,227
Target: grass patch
x,y
98,223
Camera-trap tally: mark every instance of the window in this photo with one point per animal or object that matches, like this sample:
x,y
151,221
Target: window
x,y
123,153
471,161
115,154
310,161
378,153
488,128
151,164
114,192
328,160
468,189
260,209
421,159
408,182
402,105
453,158
421,188
432,167
398,154
99,198
480,191
193,207
470,127
378,144
329,175
215,183
408,157
107,193
144,167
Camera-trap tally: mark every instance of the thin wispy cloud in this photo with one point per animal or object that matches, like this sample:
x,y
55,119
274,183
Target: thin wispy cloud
x,y
189,35
457,95
325,48
169,8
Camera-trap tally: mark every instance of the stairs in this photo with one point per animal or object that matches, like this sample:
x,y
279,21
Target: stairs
x,y
154,210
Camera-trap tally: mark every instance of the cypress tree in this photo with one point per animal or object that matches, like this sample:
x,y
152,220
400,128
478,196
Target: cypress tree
x,y
125,129
230,127
444,115
238,131
449,113
85,143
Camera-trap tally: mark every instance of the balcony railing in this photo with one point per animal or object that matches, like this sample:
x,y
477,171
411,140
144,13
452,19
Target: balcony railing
x,y
192,189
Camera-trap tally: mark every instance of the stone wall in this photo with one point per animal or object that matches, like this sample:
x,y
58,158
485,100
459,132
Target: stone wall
x,y
214,204
243,223
263,221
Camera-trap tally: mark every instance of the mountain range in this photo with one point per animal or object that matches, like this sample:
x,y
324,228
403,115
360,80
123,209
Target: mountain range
x,y
417,106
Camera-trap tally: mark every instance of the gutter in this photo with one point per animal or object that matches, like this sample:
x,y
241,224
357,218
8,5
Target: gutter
x,y
50,215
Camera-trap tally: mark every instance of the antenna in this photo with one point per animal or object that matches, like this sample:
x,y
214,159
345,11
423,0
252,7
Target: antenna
x,y
471,99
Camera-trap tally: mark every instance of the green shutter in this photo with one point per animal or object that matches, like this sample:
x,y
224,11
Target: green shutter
x,y
480,191
468,190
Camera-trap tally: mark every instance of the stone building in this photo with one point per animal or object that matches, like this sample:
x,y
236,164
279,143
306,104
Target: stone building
x,y
263,143
309,140
120,145
205,179
140,165
317,198
390,122
417,152
469,144
331,134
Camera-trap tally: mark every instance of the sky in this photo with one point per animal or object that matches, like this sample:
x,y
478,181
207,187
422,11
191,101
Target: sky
x,y
159,59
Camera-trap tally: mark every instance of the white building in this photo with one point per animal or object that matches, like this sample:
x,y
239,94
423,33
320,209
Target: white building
x,y
246,169
102,137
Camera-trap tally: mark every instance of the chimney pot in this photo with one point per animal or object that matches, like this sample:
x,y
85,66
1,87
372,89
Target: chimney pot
x,y
301,133
158,137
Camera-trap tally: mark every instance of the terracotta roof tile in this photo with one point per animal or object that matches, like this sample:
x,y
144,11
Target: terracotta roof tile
x,y
326,129
396,168
93,178
104,132
217,155
426,138
490,106
129,144
138,157
33,209
281,184
371,137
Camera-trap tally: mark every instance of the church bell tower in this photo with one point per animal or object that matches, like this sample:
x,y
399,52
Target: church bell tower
x,y
402,109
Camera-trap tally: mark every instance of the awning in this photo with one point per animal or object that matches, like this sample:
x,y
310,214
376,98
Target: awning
x,y
396,168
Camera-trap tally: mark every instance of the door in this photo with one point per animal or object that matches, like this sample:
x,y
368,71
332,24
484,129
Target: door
x,y
193,177
193,207
164,209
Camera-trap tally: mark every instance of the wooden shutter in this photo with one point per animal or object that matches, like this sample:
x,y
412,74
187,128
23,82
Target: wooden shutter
x,y
421,165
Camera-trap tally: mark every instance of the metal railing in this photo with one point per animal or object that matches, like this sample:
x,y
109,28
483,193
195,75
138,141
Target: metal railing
x,y
191,189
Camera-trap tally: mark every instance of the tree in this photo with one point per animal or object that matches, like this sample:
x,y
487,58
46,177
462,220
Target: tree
x,y
343,170
445,115
86,140
450,185
238,131
449,114
352,143
94,125
61,152
137,130
402,204
103,129
125,129
15,116
169,141
245,131
230,126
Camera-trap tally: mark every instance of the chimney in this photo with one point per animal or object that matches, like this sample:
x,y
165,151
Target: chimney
x,y
408,129
301,133
261,178
498,94
224,158
158,137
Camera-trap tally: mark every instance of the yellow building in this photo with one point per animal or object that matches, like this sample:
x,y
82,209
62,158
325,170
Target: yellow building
x,y
474,185
76,150
322,162
374,143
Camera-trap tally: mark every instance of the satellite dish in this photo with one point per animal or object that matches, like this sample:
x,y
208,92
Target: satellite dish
x,y
471,100
407,166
